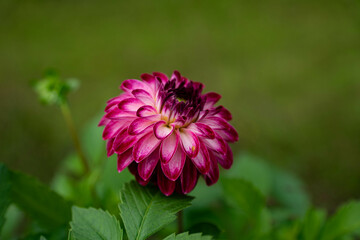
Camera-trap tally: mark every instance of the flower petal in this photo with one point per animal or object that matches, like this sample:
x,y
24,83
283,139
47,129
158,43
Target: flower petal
x,y
148,78
112,128
213,175
227,160
143,96
103,121
124,160
109,147
168,147
189,142
146,111
166,186
217,144
222,112
147,166
124,141
201,130
132,84
189,177
173,168
162,130
117,114
139,125
229,135
145,146
202,160
130,104
211,99
161,76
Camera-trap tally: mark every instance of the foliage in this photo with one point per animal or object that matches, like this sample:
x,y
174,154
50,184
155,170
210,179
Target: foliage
x,y
94,224
254,200
147,210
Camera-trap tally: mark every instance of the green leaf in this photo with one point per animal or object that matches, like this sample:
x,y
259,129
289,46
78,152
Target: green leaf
x,y
144,211
313,222
254,170
39,201
345,221
250,218
187,236
289,194
5,185
243,195
93,224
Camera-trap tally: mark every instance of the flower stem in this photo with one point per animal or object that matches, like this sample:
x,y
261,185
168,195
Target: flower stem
x,y
70,123
180,222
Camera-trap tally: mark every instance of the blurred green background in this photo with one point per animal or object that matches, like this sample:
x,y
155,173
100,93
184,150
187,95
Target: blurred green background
x,y
289,71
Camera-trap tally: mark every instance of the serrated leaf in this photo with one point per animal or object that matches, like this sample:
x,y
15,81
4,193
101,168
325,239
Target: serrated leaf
x,y
39,201
144,211
5,199
94,224
312,224
345,221
187,236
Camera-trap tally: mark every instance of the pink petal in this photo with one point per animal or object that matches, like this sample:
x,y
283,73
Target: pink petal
x,y
132,84
168,147
109,147
145,146
117,114
161,76
148,78
143,96
227,160
124,160
162,130
229,135
103,121
222,112
202,160
213,175
130,104
217,144
189,142
112,128
201,130
166,186
139,125
147,166
124,141
173,168
211,99
115,101
146,111
141,181
189,177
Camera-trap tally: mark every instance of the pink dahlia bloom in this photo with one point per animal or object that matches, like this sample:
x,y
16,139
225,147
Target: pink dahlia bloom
x,y
167,132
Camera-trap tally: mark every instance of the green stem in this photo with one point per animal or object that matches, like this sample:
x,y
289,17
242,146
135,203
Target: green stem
x,y
180,224
70,123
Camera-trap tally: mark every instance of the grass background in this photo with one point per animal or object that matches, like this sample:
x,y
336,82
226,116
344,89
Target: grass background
x,y
289,71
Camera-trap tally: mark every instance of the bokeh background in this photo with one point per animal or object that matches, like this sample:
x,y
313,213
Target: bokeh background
x,y
289,71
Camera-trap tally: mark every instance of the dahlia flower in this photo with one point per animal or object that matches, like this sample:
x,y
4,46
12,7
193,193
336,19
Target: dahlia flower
x,y
167,132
